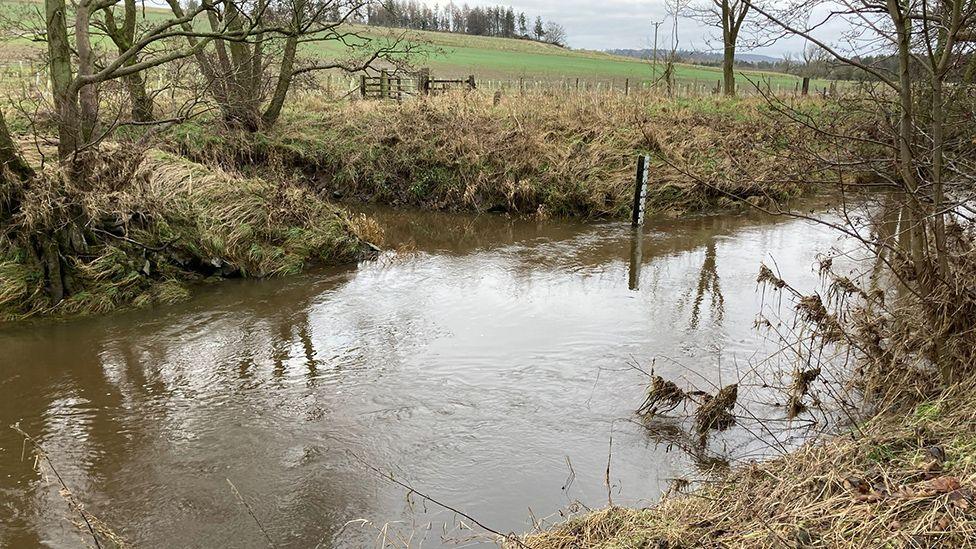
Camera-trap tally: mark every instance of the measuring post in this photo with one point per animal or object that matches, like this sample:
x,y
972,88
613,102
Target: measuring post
x,y
640,189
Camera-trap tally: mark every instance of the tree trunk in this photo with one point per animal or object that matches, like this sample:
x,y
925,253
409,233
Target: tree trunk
x,y
87,94
14,171
244,92
906,155
135,84
273,111
65,100
10,160
218,86
142,103
728,72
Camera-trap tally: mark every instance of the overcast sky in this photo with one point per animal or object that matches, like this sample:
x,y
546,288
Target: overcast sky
x,y
613,24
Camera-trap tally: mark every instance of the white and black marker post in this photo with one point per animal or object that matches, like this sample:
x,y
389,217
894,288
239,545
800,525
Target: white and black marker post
x,y
640,189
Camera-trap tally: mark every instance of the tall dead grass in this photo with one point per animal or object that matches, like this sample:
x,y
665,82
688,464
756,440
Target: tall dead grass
x,y
141,237
553,155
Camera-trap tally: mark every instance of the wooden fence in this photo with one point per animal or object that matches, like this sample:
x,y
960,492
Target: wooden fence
x,y
395,86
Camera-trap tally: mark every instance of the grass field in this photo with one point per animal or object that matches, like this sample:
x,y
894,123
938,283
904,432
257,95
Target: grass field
x,y
506,58
453,55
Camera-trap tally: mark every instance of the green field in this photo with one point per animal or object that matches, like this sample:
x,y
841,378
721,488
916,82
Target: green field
x,y
505,58
455,55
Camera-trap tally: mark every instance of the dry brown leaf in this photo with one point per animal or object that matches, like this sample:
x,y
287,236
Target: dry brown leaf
x,y
944,485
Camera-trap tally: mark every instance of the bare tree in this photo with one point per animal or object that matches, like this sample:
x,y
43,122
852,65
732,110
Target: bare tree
x,y
673,9
728,16
75,75
123,35
555,33
929,150
815,61
255,55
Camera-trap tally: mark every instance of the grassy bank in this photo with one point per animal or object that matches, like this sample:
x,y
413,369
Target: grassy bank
x,y
143,236
223,203
906,478
554,156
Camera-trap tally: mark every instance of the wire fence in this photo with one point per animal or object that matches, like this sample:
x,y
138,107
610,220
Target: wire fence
x,y
28,76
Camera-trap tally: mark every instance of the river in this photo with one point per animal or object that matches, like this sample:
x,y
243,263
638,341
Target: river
x,y
485,363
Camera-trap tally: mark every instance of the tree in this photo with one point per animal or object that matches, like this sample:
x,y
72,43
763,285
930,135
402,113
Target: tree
x,y
255,61
815,61
75,76
727,16
924,155
477,22
124,37
555,33
539,30
523,28
508,30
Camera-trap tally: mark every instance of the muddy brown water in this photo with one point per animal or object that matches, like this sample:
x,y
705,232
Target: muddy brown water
x,y
485,364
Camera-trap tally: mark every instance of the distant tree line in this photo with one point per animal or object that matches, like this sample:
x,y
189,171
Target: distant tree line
x,y
497,21
813,62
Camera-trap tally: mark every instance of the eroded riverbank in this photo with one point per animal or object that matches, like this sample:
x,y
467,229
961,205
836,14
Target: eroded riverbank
x,y
485,363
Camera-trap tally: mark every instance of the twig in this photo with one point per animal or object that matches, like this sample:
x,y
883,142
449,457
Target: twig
x,y
606,478
240,498
39,451
388,476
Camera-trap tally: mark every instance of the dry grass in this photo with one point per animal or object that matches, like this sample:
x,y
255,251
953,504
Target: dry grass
x,y
538,154
901,480
143,233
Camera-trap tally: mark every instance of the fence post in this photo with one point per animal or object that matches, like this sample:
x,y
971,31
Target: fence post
x,y
471,83
806,86
640,190
362,86
384,84
627,86
423,81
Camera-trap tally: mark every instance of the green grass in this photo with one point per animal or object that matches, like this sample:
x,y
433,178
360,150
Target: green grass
x,y
456,55
453,55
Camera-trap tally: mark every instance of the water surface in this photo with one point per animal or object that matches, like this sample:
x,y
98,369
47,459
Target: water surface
x,y
485,364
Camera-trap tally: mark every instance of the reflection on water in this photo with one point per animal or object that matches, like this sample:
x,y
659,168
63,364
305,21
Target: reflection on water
x,y
636,259
708,283
476,369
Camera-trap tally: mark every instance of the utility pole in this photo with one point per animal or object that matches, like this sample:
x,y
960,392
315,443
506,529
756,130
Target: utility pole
x,y
654,65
